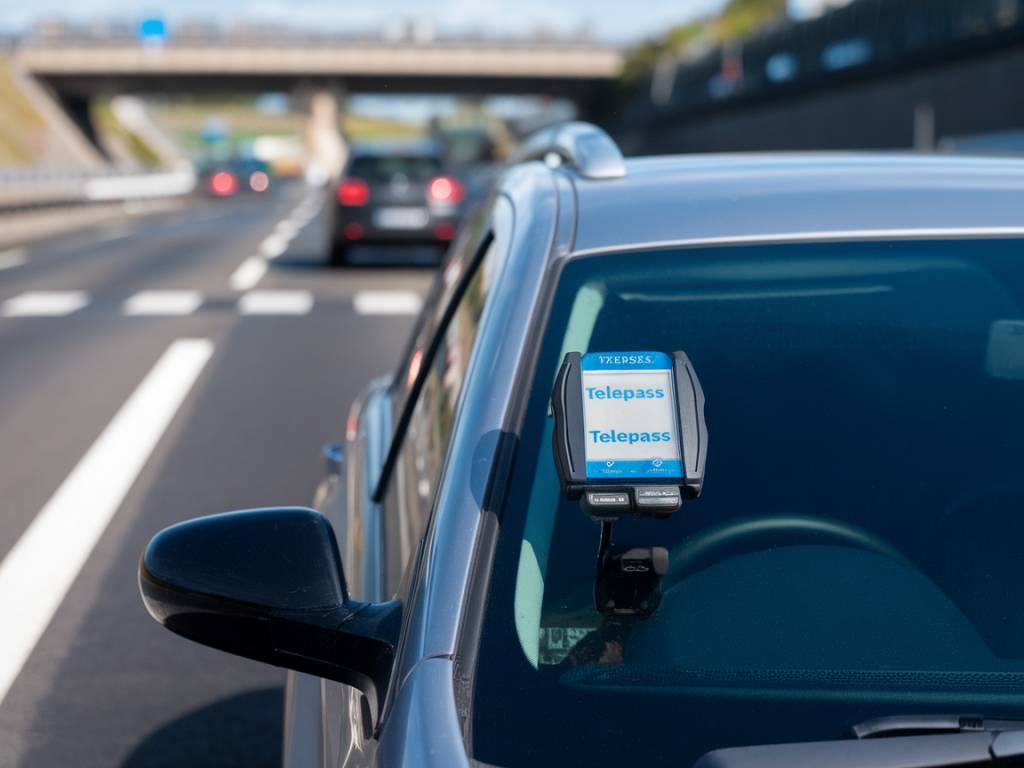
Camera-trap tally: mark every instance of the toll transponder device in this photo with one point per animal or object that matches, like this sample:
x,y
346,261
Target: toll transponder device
x,y
629,439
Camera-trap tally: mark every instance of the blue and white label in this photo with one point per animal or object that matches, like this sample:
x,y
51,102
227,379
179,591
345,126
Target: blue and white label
x,y
629,416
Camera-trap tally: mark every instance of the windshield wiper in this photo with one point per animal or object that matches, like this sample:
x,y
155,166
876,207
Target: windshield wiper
x,y
891,742
924,725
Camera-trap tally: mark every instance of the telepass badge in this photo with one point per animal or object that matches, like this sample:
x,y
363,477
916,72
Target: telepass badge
x,y
629,438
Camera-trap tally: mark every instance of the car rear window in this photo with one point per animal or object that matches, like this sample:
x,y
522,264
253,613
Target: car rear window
x,y
859,547
412,167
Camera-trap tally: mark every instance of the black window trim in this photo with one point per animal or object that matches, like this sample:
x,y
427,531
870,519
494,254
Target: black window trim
x,y
467,647
402,423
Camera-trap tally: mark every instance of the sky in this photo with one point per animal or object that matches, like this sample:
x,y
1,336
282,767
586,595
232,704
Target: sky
x,y
612,20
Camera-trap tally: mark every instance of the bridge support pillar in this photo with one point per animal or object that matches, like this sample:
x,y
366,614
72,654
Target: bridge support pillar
x,y
325,146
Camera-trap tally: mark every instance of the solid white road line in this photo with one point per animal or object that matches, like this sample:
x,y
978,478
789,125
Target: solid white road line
x,y
248,274
163,303
387,302
44,304
46,560
273,246
13,257
276,303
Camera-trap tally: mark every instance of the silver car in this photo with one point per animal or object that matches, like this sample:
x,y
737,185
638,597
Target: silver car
x,y
845,589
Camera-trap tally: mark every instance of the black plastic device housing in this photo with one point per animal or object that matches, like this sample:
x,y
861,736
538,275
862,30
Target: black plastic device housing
x,y
568,436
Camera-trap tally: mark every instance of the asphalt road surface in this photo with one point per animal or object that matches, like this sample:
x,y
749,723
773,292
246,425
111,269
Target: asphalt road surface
x,y
159,367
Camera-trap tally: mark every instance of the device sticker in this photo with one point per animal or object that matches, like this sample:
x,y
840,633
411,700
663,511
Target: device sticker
x,y
629,416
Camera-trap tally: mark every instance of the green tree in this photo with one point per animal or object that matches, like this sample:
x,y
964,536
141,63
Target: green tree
x,y
743,18
739,19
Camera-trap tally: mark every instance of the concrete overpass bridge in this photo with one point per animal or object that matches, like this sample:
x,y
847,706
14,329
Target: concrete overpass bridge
x,y
320,71
444,66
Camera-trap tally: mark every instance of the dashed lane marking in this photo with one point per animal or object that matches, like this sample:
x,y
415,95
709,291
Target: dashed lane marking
x,y
276,303
44,304
251,271
387,302
43,564
287,229
248,273
163,303
13,257
273,246
183,302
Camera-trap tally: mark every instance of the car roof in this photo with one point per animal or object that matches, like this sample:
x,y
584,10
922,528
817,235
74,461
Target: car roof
x,y
798,196
397,147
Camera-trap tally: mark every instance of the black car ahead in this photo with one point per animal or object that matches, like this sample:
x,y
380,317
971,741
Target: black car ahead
x,y
843,593
394,194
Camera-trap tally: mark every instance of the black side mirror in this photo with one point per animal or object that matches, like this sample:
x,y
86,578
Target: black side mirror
x,y
268,584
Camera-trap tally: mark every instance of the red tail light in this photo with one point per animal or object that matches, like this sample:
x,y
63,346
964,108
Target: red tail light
x,y
223,183
353,192
445,189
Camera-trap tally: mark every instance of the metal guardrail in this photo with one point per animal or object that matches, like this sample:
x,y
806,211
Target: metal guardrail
x,y
33,188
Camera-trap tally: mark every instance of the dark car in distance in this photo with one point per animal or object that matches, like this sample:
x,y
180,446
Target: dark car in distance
x,y
227,178
393,193
846,590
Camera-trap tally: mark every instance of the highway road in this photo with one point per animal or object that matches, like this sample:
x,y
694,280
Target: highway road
x,y
155,368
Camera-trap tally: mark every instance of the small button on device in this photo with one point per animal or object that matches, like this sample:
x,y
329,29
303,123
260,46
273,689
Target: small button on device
x,y
658,499
606,505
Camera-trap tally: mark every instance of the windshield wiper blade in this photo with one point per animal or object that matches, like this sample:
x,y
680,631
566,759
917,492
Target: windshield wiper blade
x,y
923,725
947,750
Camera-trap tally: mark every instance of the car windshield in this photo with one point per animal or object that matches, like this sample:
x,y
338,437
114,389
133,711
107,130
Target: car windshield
x,y
412,167
858,549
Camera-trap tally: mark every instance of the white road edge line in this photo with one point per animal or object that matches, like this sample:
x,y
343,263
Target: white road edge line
x,y
248,273
163,303
387,302
12,257
46,560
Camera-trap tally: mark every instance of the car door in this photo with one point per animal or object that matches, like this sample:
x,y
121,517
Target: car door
x,y
378,496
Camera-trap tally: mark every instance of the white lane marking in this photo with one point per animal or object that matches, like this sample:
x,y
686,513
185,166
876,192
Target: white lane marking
x,y
273,246
13,257
46,560
44,304
248,274
163,303
387,302
276,303
287,229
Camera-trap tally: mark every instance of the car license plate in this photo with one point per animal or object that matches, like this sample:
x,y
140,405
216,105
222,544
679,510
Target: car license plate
x,y
400,218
